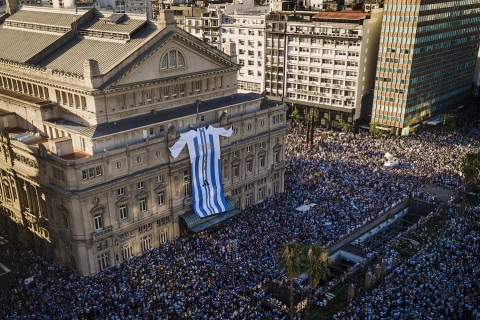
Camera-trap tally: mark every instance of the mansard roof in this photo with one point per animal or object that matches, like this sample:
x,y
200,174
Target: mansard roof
x,y
42,17
62,40
21,45
71,56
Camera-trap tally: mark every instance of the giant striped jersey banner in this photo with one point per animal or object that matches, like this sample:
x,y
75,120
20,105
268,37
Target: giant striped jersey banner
x,y
204,149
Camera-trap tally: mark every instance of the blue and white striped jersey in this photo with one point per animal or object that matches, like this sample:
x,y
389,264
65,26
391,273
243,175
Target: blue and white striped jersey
x,y
204,149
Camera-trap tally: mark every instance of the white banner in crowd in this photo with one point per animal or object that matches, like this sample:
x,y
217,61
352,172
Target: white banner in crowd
x,y
204,149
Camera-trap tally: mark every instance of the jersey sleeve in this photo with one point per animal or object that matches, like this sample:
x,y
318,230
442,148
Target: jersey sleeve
x,y
221,131
178,146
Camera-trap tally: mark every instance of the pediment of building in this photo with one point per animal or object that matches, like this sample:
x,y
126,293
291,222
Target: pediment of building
x,y
97,209
160,187
141,194
176,57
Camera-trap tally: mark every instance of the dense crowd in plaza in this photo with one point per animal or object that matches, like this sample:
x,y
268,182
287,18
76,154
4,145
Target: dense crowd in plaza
x,y
198,278
441,281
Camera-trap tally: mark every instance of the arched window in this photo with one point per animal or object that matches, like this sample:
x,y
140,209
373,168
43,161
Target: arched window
x,y
172,59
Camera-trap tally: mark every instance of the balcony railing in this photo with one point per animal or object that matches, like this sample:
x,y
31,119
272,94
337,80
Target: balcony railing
x,y
102,233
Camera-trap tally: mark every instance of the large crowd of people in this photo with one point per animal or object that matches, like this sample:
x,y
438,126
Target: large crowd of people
x,y
199,278
441,281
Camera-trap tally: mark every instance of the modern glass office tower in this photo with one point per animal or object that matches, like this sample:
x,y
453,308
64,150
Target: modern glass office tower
x,y
426,59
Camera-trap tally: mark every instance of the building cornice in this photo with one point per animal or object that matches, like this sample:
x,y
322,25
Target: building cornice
x,y
67,87
171,79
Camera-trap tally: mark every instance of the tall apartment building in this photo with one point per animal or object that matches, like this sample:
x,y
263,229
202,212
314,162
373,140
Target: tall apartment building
x,y
247,31
89,104
206,27
426,60
323,60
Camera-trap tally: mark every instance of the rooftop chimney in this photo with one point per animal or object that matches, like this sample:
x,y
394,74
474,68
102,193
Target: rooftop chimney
x,y
90,71
230,48
13,6
165,18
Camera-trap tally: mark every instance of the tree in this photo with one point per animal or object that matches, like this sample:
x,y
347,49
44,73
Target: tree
x,y
296,116
375,131
471,168
345,126
316,265
290,258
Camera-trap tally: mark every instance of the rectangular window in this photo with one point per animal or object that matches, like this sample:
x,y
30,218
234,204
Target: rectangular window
x,y
276,156
160,179
161,198
148,96
262,162
186,188
141,185
99,171
163,221
142,204
261,194
198,86
84,174
165,92
98,222
123,212
236,173
91,172
249,166
120,192
249,199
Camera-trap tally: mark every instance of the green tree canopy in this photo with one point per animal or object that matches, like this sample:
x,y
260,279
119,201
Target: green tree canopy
x,y
471,167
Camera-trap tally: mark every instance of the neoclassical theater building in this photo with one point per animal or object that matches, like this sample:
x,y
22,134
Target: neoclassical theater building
x,y
90,102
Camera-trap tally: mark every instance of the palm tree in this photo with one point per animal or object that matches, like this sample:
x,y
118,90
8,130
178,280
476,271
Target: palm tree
x,y
316,264
290,258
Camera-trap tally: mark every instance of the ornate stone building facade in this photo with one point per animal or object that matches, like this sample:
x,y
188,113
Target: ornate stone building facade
x,y
90,103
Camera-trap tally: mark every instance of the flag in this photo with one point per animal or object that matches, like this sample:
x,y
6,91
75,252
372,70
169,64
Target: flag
x,y
204,150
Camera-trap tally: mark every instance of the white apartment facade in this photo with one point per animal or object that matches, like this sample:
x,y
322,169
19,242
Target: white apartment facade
x,y
205,27
247,31
329,62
